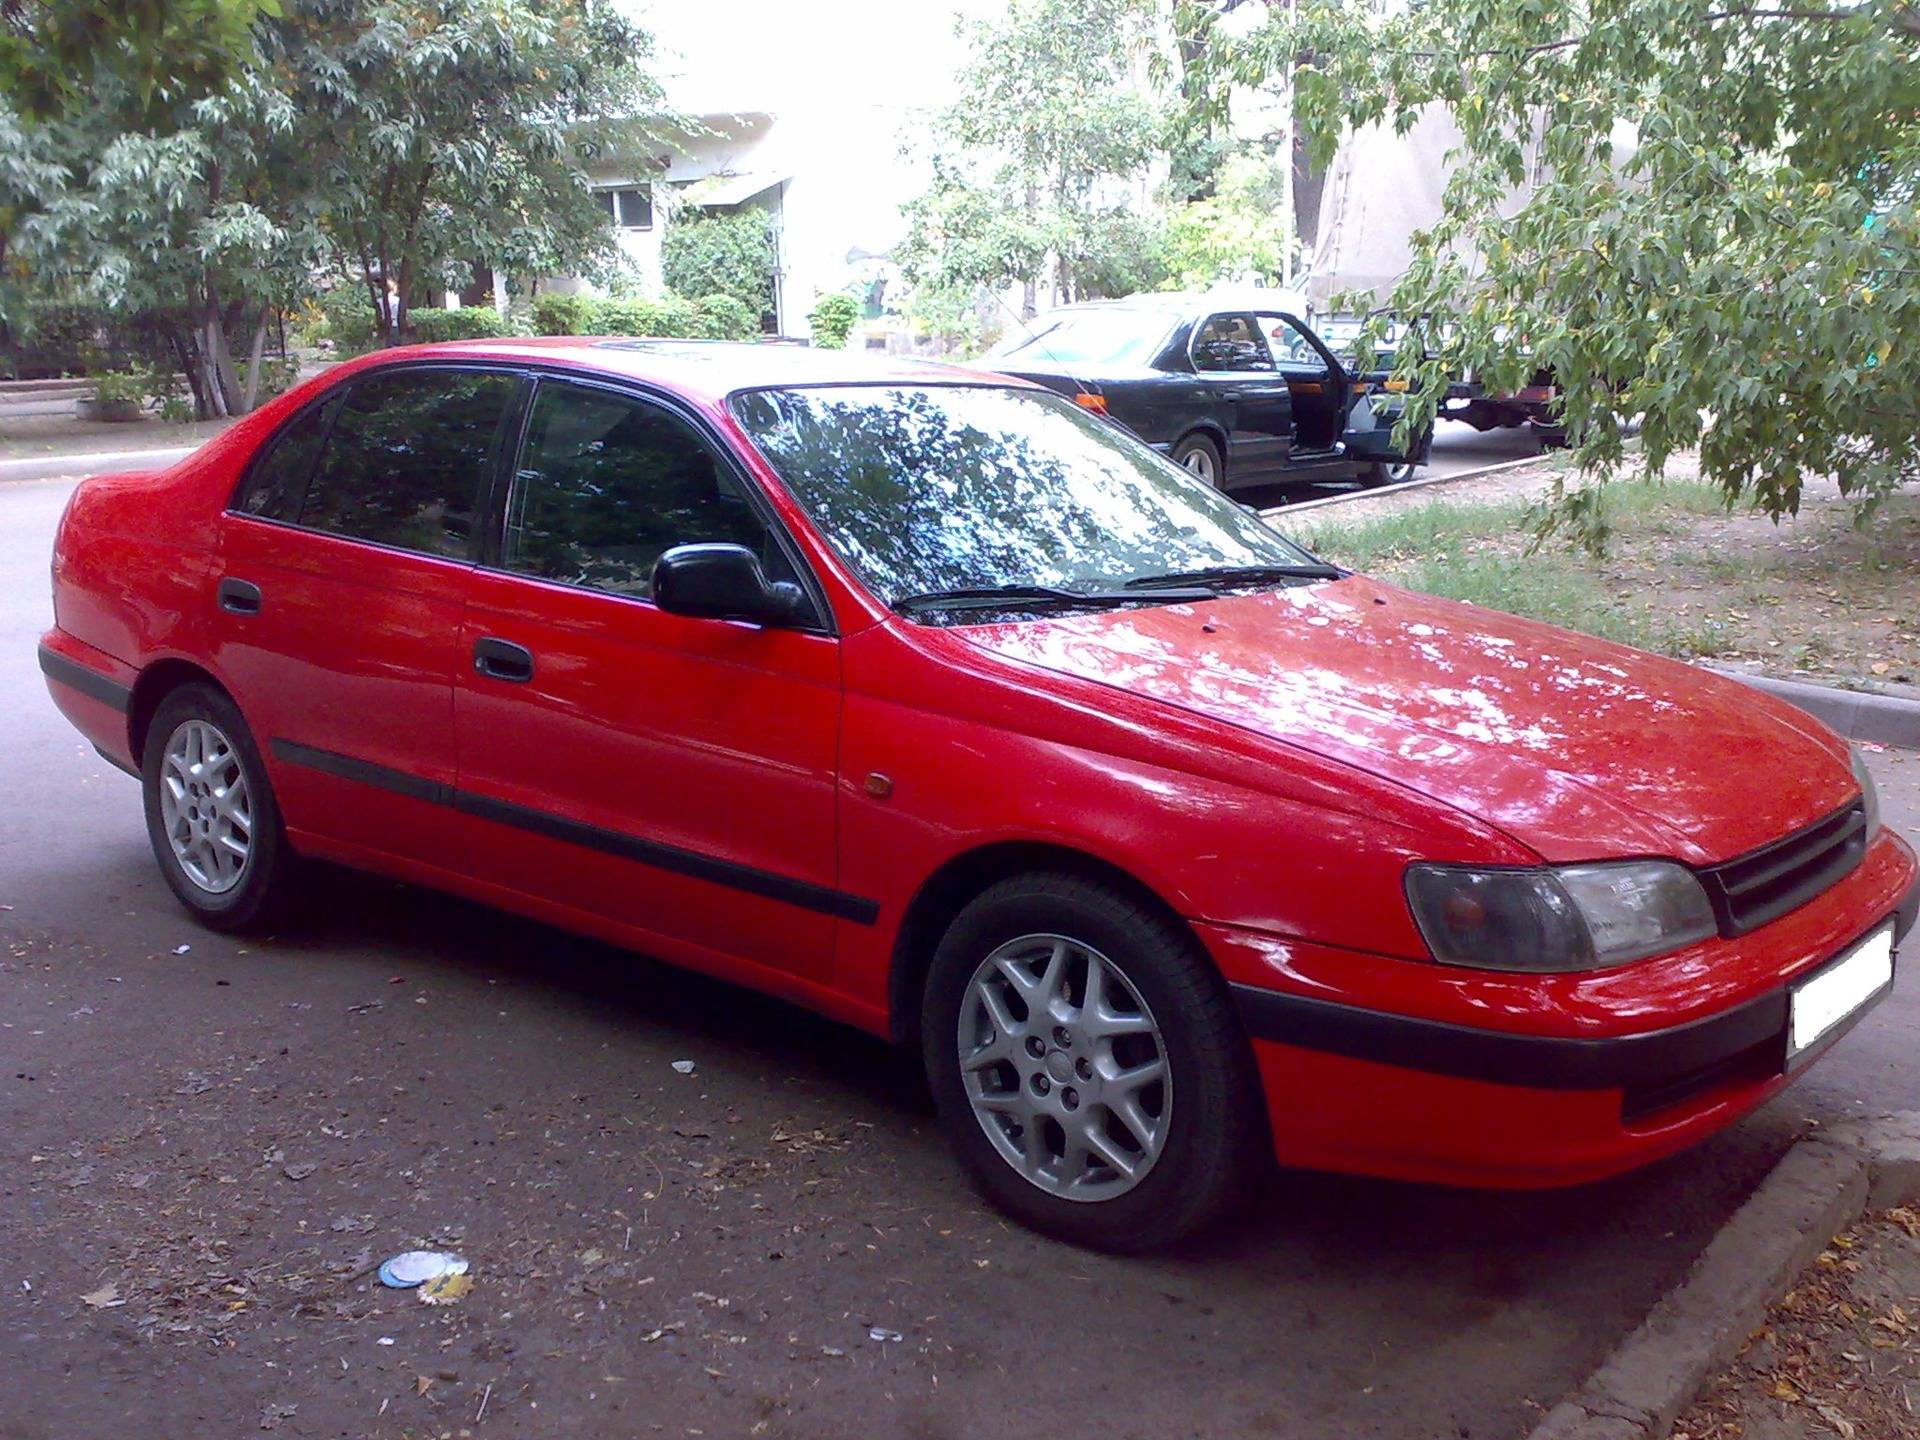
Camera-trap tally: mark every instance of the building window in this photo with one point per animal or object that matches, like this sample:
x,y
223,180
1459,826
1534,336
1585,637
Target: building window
x,y
630,207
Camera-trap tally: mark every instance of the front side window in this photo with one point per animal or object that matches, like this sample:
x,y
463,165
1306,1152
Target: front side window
x,y
408,458
1230,342
937,488
607,482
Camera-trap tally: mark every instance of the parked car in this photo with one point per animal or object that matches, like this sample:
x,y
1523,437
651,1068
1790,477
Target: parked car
x,y
933,702
1241,395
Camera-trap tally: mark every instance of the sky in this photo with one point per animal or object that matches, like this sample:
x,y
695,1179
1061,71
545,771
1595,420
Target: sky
x,y
783,55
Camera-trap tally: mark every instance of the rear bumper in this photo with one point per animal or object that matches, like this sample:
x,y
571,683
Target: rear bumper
x,y
93,690
1361,1089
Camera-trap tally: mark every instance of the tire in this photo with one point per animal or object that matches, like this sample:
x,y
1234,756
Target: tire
x,y
1199,455
1552,436
1380,472
211,816
1121,1126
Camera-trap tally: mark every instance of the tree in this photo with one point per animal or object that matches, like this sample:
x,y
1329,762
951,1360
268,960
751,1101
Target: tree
x,y
55,54
1715,227
450,132
1030,167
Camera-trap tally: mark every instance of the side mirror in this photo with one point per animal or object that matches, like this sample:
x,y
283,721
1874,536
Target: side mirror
x,y
721,582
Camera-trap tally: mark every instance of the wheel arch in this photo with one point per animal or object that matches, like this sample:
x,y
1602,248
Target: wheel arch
x,y
156,682
1209,431
949,890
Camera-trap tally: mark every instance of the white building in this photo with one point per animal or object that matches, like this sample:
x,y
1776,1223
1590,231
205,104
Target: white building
x,y
806,108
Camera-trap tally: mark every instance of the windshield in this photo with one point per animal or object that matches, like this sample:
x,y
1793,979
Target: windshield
x,y
941,488
1090,337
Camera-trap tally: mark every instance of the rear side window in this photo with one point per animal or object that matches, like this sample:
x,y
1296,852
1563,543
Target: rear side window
x,y
607,482
408,458
278,486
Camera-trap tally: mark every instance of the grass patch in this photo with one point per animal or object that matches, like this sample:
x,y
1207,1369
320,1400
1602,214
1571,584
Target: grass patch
x,y
1485,554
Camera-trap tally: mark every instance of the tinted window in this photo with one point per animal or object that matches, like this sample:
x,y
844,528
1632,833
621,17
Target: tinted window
x,y
278,486
925,488
408,458
606,483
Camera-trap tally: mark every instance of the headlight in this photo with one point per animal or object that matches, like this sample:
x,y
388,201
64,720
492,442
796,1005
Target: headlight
x,y
1570,917
1869,793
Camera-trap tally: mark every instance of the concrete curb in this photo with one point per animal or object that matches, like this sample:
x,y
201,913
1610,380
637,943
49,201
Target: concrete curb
x,y
94,462
1419,482
1822,1185
1857,714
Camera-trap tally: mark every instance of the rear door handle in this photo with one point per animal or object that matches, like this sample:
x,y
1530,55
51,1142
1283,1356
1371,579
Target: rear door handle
x,y
239,597
503,660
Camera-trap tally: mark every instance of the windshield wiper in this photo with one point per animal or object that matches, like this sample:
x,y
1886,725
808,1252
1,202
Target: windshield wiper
x,y
1025,596
1236,575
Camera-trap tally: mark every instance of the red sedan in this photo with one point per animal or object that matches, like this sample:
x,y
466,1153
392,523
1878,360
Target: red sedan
x,y
928,701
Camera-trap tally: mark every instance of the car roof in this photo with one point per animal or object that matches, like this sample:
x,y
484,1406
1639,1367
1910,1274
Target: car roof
x,y
710,369
1186,303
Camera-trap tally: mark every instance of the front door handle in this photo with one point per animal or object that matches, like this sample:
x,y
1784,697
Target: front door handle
x,y
503,660
239,597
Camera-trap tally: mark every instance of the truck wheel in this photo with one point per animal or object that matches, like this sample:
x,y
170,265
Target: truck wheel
x,y
1200,455
1087,1064
211,816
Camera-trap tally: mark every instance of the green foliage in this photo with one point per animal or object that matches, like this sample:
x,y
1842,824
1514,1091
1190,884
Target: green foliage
x,y
57,55
1237,233
832,320
733,253
120,387
1702,218
349,322
556,314
725,317
1029,164
449,132
469,322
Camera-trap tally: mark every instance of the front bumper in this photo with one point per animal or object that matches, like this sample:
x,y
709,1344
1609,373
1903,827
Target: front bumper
x,y
1448,1098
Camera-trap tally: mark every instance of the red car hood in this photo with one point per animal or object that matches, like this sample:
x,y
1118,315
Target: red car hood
x,y
1576,747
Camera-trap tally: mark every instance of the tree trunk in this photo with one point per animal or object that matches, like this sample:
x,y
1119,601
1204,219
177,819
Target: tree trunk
x,y
253,362
219,363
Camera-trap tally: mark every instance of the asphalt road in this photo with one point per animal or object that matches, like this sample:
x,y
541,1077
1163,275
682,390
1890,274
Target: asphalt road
x,y
204,1143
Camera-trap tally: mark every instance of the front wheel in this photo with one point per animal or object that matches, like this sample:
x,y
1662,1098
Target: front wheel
x,y
1087,1064
211,816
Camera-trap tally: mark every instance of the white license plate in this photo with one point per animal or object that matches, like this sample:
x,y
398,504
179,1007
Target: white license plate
x,y
1817,1005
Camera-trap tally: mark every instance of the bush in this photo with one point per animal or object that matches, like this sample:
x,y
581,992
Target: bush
x,y
350,321
724,317
120,387
733,254
832,320
469,322
55,339
562,314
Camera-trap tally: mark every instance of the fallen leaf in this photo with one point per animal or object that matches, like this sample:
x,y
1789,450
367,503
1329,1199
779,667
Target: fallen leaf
x,y
105,1298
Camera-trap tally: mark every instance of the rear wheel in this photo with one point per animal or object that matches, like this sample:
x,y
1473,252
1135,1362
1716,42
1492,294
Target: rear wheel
x,y
211,816
1200,455
1087,1064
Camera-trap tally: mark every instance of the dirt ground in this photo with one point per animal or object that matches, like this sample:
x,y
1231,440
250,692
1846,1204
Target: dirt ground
x,y
1839,1355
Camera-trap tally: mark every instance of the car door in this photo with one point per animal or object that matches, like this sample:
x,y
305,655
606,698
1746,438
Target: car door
x,y
670,774
1316,380
1255,407
343,566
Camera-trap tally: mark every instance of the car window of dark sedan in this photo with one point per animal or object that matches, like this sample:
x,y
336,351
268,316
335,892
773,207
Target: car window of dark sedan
x,y
1230,342
607,482
942,487
405,460
1121,336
